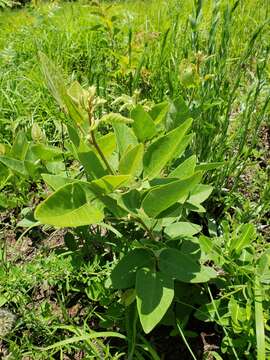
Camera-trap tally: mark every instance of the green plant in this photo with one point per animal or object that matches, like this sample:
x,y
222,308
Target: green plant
x,y
135,175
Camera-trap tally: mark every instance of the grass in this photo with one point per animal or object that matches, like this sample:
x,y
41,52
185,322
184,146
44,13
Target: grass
x,y
211,60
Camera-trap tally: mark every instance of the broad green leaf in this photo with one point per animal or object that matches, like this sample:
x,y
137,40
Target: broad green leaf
x,y
185,169
124,274
125,137
108,183
245,236
56,181
182,228
15,165
72,205
19,147
132,161
158,112
200,193
183,145
184,267
131,200
162,197
92,165
107,144
177,114
163,150
73,135
143,125
4,172
155,293
45,152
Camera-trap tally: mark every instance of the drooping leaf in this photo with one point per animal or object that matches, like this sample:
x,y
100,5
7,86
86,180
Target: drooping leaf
x,y
163,150
155,293
124,274
182,228
200,193
72,205
143,125
132,161
184,267
162,197
185,169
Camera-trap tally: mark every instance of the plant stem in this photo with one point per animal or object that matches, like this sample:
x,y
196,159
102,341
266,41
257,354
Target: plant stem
x,y
184,339
95,144
149,232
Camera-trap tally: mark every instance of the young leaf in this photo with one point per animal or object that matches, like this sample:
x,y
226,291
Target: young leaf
x,y
184,267
72,205
123,275
143,125
163,150
112,118
155,293
162,197
185,169
132,161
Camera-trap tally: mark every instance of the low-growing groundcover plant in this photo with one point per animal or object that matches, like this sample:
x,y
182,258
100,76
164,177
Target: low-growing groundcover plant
x,y
135,195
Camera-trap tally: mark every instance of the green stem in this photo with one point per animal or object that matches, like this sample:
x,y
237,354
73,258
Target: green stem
x,y
149,232
95,144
